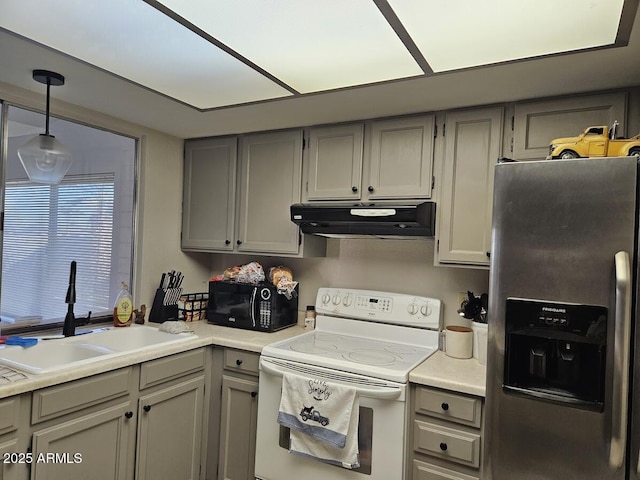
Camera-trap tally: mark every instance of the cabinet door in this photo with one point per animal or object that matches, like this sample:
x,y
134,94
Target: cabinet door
x,y
335,163
472,147
208,208
537,123
170,432
94,446
270,177
11,469
238,428
401,158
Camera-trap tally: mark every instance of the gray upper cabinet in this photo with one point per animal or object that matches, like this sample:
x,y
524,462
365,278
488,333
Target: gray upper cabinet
x,y
537,123
400,158
237,197
208,214
335,162
393,161
271,177
472,147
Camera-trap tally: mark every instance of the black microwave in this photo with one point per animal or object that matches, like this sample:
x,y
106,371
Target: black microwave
x,y
252,307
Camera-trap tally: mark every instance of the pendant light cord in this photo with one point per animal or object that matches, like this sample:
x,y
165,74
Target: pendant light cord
x,y
48,97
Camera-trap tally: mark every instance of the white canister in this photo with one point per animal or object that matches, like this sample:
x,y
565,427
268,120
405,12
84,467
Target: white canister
x,y
458,341
479,341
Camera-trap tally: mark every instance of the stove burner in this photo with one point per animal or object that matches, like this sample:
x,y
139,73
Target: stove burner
x,y
313,346
370,357
400,349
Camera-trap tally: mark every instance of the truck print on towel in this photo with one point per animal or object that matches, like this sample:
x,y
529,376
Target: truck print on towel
x,y
308,413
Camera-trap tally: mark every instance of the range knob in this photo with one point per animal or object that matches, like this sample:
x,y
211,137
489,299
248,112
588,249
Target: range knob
x,y
425,310
348,300
326,298
412,308
336,299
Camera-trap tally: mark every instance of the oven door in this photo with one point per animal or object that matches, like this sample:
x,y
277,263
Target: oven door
x,y
381,431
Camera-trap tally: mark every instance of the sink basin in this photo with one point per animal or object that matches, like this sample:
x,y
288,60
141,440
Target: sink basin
x,y
48,356
134,337
51,355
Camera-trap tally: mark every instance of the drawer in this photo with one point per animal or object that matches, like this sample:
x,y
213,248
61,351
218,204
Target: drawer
x,y
168,368
427,471
449,406
447,443
70,397
9,414
241,361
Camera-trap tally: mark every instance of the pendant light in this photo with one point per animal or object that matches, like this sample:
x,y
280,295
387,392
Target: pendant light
x,y
44,158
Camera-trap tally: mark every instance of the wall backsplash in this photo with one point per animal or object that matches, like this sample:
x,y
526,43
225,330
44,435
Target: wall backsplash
x,y
404,266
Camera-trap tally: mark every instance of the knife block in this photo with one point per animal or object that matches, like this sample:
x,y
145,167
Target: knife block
x,y
160,311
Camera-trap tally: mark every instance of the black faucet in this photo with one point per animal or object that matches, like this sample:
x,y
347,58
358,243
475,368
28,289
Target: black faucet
x,y
69,328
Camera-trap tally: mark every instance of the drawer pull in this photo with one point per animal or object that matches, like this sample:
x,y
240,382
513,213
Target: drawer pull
x,y
128,414
239,362
254,394
443,446
146,408
445,406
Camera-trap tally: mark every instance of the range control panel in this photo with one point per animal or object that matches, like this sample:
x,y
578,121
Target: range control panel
x,y
384,307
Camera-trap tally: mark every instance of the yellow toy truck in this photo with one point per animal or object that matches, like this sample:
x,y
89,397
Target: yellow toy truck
x,y
598,141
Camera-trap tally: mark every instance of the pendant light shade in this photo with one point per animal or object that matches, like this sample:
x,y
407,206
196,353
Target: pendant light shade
x,y
44,158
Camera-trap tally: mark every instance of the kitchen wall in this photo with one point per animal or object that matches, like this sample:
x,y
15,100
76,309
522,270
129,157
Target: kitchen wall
x,y
404,266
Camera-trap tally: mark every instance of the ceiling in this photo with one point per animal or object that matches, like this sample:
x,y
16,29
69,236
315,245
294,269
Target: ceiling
x,y
201,67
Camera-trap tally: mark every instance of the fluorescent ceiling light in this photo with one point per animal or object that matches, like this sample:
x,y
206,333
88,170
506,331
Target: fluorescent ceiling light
x,y
463,33
309,45
133,40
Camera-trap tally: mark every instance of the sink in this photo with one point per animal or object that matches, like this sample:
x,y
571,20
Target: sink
x,y
47,356
135,337
51,355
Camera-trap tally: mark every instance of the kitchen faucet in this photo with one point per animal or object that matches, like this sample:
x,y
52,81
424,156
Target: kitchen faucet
x,y
69,328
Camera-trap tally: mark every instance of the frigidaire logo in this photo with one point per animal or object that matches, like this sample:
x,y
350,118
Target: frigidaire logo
x,y
554,309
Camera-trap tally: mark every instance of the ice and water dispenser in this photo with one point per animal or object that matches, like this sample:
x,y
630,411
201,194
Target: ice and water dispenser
x,y
556,352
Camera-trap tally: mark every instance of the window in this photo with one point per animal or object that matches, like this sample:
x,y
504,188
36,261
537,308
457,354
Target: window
x,y
88,218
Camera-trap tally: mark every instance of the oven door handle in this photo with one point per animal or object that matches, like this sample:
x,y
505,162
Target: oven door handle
x,y
381,393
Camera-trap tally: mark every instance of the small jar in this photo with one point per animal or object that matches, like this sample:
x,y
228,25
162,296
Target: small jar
x,y
310,318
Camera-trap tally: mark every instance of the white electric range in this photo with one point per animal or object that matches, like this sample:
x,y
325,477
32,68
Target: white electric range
x,y
369,339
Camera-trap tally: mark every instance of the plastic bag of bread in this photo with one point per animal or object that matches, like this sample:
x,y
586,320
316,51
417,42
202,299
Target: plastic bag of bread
x,y
282,278
251,273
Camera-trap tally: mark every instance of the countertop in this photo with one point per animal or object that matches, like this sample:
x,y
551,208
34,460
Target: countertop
x,y
439,370
205,334
465,376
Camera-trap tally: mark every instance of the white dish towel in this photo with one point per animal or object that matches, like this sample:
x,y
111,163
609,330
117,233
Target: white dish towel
x,y
323,418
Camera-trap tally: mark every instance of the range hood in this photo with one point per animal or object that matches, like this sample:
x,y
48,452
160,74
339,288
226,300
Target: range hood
x,y
356,221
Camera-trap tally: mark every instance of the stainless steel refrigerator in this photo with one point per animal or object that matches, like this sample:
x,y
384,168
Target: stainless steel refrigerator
x,y
563,387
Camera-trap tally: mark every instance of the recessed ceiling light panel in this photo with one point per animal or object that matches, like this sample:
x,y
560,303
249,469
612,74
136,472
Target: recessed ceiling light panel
x,y
135,41
462,33
310,46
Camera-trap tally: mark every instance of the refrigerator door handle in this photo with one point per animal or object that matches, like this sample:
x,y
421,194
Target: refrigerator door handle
x,y
621,348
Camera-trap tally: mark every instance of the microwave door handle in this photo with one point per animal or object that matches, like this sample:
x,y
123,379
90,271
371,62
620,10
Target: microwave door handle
x,y
621,349
252,306
377,393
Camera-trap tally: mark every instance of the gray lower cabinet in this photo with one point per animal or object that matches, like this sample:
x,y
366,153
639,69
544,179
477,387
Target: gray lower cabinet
x,y
238,420
445,435
141,422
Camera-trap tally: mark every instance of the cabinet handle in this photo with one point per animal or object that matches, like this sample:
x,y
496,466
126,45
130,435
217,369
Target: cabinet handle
x,y
354,189
370,188
128,414
239,362
445,406
227,242
146,408
488,254
254,394
239,242
443,447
